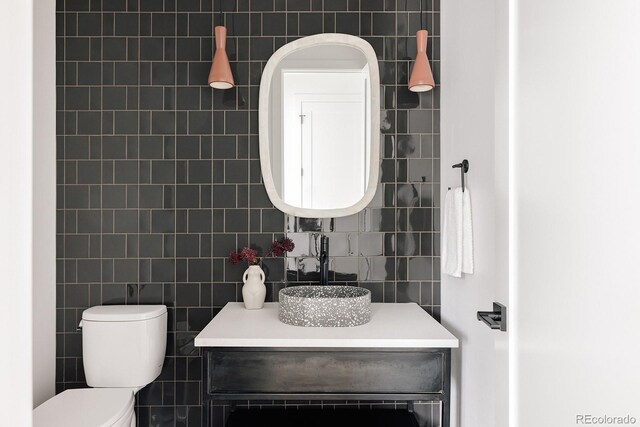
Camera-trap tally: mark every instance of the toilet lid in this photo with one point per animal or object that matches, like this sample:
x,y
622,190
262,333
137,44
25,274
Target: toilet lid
x,y
85,407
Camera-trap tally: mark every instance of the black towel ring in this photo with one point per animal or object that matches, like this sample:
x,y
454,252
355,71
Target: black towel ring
x,y
464,168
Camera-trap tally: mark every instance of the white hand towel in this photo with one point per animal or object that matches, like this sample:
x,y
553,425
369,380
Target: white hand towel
x,y
452,233
467,233
457,242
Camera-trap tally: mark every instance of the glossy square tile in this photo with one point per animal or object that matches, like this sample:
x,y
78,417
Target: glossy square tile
x,y
302,242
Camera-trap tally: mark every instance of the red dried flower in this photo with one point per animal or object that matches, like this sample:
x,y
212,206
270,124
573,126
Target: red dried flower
x,y
249,255
234,258
287,244
277,249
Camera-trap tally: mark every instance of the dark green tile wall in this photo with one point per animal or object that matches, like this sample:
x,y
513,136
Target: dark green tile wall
x,y
159,176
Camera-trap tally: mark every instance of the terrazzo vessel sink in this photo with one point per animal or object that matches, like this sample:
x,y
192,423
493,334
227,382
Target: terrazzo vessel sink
x,y
325,306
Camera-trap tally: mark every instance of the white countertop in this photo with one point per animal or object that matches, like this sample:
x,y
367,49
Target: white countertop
x,y
391,326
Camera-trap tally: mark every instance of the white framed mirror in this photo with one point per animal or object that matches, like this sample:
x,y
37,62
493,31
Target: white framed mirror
x,y
319,125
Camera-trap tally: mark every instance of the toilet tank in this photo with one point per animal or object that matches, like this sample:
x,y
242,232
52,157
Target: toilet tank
x,y
123,345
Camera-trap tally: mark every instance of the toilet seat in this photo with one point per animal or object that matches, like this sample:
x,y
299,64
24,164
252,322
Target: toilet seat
x,y
87,407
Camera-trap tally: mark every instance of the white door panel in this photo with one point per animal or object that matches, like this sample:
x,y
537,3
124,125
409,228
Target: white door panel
x,y
319,121
324,126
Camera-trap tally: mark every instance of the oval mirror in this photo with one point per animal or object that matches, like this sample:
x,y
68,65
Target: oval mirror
x,y
319,118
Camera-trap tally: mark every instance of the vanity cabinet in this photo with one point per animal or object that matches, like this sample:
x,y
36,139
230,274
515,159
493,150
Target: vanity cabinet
x,y
327,374
401,354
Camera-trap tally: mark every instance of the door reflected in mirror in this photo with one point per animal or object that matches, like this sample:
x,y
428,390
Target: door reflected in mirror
x,y
319,126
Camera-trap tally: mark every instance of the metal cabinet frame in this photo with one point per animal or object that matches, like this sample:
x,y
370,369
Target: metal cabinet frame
x,y
224,377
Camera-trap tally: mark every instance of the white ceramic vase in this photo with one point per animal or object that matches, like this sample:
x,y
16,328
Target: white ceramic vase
x,y
254,290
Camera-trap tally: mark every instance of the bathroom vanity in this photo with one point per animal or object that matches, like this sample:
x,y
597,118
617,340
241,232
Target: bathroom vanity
x,y
319,128
401,354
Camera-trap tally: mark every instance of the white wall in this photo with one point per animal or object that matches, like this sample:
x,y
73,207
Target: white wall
x,y
15,215
44,201
27,216
474,126
576,151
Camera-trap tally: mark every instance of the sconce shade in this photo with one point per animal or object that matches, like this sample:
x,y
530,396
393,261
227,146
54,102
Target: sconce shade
x,y
220,76
421,79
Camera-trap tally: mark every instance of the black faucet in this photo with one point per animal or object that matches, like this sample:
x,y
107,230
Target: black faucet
x,y
324,260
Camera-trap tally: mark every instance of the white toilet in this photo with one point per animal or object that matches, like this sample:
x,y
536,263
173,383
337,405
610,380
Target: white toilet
x,y
123,348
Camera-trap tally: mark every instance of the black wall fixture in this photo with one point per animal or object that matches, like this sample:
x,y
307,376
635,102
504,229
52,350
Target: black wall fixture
x,y
159,176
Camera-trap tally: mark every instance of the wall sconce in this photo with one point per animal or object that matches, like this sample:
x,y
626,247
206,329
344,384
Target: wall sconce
x,y
421,79
220,76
